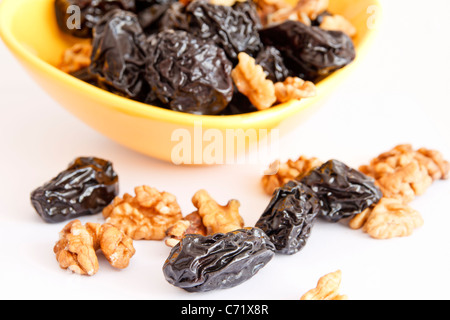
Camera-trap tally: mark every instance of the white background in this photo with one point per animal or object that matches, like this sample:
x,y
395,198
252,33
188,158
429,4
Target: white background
x,y
400,94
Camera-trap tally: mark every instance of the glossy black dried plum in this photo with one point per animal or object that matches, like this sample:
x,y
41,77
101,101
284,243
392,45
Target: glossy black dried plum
x,y
309,52
150,16
204,263
84,188
270,59
289,217
234,29
174,18
118,54
80,19
343,191
187,73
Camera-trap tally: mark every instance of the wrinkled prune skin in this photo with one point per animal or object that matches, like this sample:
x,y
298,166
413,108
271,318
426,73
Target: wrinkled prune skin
x,y
187,73
174,18
270,59
87,186
234,29
310,52
118,54
343,191
219,261
91,12
150,16
289,217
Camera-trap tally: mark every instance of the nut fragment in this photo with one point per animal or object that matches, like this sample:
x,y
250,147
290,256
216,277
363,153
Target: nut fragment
x,y
338,23
217,218
288,171
404,173
77,246
75,249
304,11
327,288
147,216
191,224
76,57
388,219
115,245
294,88
251,81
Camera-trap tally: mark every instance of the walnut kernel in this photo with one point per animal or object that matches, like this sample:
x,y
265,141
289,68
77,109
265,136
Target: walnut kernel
x,y
251,81
191,224
327,288
76,57
338,23
294,88
217,218
146,216
288,171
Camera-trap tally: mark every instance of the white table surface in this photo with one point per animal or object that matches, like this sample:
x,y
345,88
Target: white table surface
x,y
400,94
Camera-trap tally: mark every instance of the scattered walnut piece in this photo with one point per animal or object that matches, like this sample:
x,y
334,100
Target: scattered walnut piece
x,y
267,8
77,246
75,249
294,88
115,245
327,288
146,216
217,218
288,171
251,81
191,224
338,23
405,173
76,57
390,218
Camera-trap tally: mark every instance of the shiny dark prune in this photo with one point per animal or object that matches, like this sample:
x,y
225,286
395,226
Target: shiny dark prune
x,y
234,29
150,16
118,54
289,217
270,59
174,18
187,73
309,52
84,188
343,191
90,13
219,261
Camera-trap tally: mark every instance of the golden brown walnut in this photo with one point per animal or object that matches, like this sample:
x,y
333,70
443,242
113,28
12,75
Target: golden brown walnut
x,y
327,288
191,224
267,8
288,171
251,81
294,88
217,218
304,11
147,216
75,249
115,245
405,173
390,218
338,23
76,57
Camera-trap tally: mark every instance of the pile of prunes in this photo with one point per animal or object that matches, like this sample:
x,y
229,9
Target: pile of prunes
x,y
180,57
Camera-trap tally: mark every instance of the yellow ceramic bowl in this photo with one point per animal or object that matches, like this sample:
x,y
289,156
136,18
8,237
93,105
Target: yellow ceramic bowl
x,y
29,29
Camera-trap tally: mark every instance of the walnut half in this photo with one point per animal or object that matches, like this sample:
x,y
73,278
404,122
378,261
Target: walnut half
x,y
327,288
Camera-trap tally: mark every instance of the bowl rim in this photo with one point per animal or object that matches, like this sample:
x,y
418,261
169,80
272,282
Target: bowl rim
x,y
8,10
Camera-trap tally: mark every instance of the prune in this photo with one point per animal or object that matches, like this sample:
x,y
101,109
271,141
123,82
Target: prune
x,y
150,16
174,18
218,261
343,191
234,29
91,12
187,73
310,52
118,54
270,59
87,186
289,217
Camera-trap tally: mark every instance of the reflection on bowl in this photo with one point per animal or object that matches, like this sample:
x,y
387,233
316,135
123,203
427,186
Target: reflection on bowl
x,y
29,29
